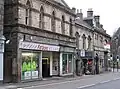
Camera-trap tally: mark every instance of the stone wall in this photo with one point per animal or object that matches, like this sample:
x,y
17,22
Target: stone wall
x,y
48,9
1,15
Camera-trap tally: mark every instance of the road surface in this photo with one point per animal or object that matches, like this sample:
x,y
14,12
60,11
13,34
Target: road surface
x,y
107,81
108,85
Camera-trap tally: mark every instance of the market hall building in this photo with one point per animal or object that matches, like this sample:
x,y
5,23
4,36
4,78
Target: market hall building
x,y
40,40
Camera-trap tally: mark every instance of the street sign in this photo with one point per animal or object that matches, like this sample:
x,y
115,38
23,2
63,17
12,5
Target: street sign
x,y
82,53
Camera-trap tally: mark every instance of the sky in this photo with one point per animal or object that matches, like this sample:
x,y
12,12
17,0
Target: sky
x,y
109,11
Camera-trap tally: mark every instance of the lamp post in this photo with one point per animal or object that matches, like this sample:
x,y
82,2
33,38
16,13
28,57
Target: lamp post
x,y
109,64
117,63
111,58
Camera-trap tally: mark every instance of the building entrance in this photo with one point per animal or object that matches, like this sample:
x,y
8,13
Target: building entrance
x,y
45,67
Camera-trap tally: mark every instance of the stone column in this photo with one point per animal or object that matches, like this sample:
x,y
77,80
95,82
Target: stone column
x,y
60,64
51,63
40,65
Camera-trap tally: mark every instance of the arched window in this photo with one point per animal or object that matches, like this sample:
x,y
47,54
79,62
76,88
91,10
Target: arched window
x,y
41,18
28,14
84,41
89,42
70,27
63,25
77,39
53,22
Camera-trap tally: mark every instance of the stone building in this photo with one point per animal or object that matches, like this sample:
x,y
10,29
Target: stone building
x,y
91,43
41,41
84,43
101,42
1,39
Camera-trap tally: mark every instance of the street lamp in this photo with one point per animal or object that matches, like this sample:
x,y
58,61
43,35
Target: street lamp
x,y
117,63
111,58
109,63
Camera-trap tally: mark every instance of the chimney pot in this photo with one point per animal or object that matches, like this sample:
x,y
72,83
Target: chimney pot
x,y
97,21
80,14
90,12
74,10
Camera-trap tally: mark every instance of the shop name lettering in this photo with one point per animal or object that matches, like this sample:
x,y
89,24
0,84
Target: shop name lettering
x,y
26,45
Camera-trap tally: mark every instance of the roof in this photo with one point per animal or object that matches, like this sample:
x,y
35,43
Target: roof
x,y
82,23
62,2
101,31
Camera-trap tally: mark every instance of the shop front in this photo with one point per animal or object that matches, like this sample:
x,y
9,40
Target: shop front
x,y
66,61
88,62
38,60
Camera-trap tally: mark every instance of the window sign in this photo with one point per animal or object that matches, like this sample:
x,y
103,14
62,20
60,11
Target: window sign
x,y
30,65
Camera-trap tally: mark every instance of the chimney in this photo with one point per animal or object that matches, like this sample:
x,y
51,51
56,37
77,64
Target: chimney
x,y
90,12
101,26
74,10
80,14
97,20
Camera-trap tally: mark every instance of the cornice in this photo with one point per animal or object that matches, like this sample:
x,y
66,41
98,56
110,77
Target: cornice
x,y
37,29
49,2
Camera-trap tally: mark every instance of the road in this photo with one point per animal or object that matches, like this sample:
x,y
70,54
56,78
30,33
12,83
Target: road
x,y
107,81
110,80
108,85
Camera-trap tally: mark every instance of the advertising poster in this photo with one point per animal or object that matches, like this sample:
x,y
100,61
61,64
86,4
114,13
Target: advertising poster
x,y
30,65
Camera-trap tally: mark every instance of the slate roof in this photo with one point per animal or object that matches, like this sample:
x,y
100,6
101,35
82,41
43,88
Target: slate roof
x,y
83,23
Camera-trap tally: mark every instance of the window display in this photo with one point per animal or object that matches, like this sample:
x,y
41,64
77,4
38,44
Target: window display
x,y
64,63
67,63
30,65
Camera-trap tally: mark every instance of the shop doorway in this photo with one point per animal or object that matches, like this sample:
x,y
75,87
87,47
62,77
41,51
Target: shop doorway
x,y
84,66
45,67
87,66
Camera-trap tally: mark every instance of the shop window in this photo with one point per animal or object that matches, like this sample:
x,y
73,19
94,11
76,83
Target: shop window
x,y
55,66
29,65
64,63
70,63
67,63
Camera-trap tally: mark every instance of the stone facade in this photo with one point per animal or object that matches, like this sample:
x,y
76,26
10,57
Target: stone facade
x,y
1,16
101,38
94,33
54,25
17,29
1,39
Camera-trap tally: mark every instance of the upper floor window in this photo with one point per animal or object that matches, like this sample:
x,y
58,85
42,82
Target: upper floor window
x,y
41,18
84,41
101,39
28,14
63,25
70,27
77,39
89,42
106,41
53,24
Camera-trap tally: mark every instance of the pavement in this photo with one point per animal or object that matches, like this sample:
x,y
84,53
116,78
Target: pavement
x,y
66,83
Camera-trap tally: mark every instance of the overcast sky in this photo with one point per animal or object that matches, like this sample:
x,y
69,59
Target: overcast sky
x,y
109,11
